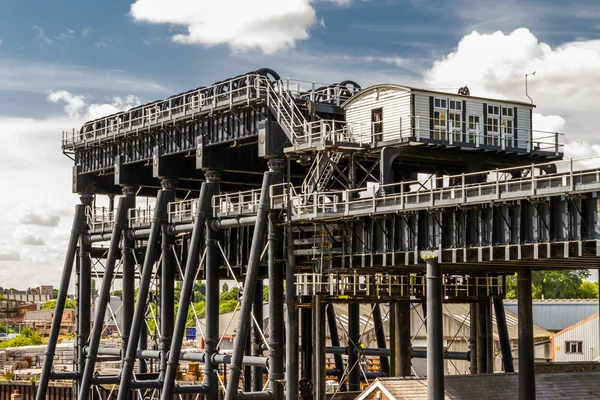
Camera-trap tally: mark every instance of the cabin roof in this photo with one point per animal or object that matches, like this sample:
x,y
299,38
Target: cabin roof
x,y
373,88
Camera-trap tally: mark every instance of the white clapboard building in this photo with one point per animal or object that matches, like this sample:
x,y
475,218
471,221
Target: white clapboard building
x,y
578,342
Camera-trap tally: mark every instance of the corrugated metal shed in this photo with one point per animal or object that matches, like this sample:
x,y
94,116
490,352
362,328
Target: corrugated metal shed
x,y
558,314
578,342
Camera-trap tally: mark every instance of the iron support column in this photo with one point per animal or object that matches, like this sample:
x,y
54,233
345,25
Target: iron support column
x,y
84,293
403,342
128,301
167,282
354,347
481,338
335,341
394,362
507,358
139,315
435,345
257,339
489,336
292,332
381,341
319,370
526,355
306,342
78,226
473,339
213,289
187,287
276,297
249,288
103,299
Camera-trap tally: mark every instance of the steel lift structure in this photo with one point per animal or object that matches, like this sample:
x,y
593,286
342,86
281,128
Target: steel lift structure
x,y
260,178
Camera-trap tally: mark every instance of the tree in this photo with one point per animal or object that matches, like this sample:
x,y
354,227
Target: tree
x,y
118,293
55,293
225,288
93,289
51,305
555,284
27,332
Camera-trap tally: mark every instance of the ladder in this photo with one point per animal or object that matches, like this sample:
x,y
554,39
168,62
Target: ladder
x,y
321,172
288,115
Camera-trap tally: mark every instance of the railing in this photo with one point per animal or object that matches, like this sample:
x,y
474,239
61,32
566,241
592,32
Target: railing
x,y
100,218
141,216
183,211
237,203
501,184
365,284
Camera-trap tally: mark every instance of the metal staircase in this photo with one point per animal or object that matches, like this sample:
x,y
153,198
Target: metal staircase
x,y
321,171
288,115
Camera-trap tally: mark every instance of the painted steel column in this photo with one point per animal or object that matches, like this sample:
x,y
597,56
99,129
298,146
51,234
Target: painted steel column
x,y
319,370
306,342
187,288
435,334
84,296
481,338
78,226
128,295
489,336
167,282
353,347
473,338
257,339
103,299
335,341
213,289
403,342
507,358
381,341
394,345
276,297
291,331
249,288
526,354
139,315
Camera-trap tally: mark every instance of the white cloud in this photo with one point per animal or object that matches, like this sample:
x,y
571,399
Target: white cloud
x,y
40,36
268,25
566,85
77,107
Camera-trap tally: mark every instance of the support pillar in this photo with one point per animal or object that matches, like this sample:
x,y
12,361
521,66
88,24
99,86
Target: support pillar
x,y
403,342
276,297
381,341
306,342
481,338
526,355
292,331
257,340
489,336
213,289
335,341
435,344
353,347
167,282
473,339
319,373
128,301
507,358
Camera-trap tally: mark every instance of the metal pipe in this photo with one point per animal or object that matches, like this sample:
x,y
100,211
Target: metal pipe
x,y
160,215
306,347
213,289
354,347
435,344
232,222
257,341
481,338
507,358
104,299
187,356
249,286
394,345
128,295
167,283
276,296
381,341
292,331
319,373
187,288
335,341
190,389
84,285
404,343
526,354
489,336
78,225
473,339
254,396
373,351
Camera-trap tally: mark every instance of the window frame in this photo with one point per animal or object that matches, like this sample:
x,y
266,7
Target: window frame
x,y
577,344
377,126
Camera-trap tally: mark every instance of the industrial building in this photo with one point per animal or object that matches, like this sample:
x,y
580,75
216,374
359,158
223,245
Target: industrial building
x,y
558,314
379,198
578,342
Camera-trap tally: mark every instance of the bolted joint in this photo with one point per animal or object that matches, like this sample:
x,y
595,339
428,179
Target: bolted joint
x,y
211,242
212,176
86,199
276,164
276,349
169,184
129,191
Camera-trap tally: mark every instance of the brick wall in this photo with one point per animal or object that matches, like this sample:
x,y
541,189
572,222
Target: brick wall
x,y
564,367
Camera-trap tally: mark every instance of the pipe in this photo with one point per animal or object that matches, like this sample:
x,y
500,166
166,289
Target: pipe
x,y
187,288
276,296
190,389
104,299
507,358
254,396
84,273
435,344
319,351
249,288
489,337
128,280
292,332
232,222
381,341
306,347
473,339
404,344
188,356
167,284
160,215
354,347
213,289
482,350
335,341
373,351
526,355
78,224
257,341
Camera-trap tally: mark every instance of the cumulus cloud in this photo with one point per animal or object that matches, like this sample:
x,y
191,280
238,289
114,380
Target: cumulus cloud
x,y
76,106
9,255
565,87
267,25
32,240
33,218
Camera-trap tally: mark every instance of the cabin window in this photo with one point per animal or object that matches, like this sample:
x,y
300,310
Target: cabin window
x,y
440,103
439,125
455,120
493,126
377,124
474,128
455,105
507,125
493,110
573,346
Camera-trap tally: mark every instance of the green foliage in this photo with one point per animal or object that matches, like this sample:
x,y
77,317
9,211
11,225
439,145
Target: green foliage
x,y
51,305
265,293
22,340
2,328
231,294
556,284
225,288
226,306
55,293
118,293
27,332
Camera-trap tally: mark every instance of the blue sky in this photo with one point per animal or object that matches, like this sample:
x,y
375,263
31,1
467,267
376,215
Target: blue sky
x,y
63,62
